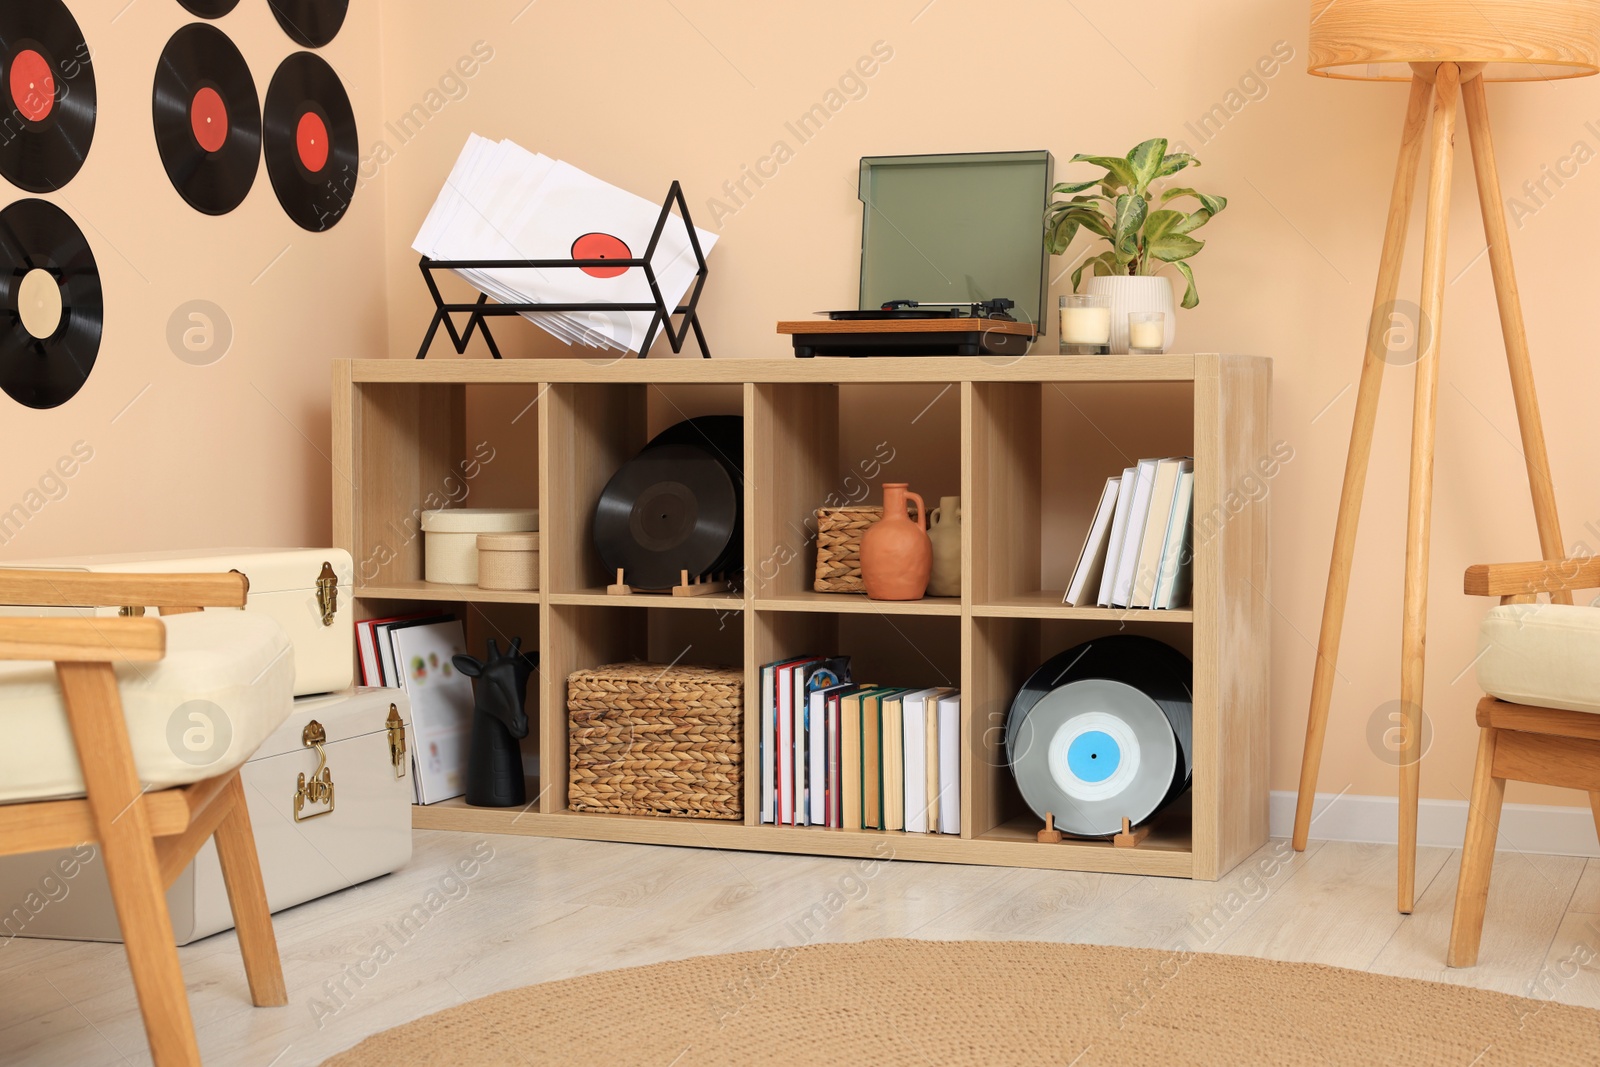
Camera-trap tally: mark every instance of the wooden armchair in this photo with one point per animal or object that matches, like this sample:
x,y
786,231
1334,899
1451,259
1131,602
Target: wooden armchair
x,y
147,834
1540,721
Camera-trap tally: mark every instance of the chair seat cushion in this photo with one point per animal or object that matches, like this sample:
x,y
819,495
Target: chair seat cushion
x,y
1546,655
226,682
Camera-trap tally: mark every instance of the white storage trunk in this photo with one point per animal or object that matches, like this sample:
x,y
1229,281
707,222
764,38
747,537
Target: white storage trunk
x,y
307,590
367,833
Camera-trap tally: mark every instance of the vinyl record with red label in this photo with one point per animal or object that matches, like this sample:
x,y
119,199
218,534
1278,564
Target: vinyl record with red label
x,y
311,142
48,95
51,311
312,23
207,119
209,9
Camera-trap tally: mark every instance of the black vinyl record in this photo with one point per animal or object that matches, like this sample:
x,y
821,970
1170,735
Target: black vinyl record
x,y
723,437
312,23
670,509
207,119
209,9
47,88
51,310
311,150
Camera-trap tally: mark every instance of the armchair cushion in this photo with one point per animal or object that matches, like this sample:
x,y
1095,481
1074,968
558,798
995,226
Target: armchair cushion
x,y
226,682
1545,655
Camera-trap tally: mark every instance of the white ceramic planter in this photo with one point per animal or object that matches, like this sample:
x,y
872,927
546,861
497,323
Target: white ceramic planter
x,y
1135,294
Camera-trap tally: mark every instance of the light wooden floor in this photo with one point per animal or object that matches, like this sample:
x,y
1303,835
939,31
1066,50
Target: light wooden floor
x,y
545,909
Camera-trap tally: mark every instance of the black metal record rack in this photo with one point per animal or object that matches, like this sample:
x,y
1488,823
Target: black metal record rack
x,y
480,311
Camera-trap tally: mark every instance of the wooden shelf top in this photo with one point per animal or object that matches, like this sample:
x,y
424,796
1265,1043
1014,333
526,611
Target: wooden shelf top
x,y
445,591
1038,367
1046,604
858,604
598,597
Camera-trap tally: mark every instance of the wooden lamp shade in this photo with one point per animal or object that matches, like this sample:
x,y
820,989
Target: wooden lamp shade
x,y
1516,40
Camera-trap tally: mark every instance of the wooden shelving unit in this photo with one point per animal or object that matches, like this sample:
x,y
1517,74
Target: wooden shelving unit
x,y
1038,436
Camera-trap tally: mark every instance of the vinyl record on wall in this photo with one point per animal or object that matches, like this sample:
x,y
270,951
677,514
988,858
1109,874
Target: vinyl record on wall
x,y
207,119
47,85
312,23
311,142
209,9
51,310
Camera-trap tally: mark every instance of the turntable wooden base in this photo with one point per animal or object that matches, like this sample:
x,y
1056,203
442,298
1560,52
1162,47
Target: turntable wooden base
x,y
909,337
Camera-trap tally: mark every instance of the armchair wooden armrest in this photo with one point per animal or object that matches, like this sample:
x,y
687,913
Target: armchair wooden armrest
x,y
1522,582
83,640
172,593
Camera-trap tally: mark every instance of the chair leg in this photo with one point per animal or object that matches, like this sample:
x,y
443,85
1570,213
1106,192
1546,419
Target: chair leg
x,y
94,711
252,918
1477,854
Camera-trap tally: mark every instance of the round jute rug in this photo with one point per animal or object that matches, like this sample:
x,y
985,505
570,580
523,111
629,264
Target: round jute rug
x,y
969,1002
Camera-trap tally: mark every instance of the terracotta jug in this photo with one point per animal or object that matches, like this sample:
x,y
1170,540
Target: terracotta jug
x,y
896,555
944,530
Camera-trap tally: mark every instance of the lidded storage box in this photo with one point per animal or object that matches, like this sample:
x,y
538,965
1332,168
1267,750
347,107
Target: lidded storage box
x,y
450,539
508,561
647,739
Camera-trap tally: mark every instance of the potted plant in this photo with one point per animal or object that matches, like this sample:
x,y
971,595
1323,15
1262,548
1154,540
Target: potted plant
x,y
1144,235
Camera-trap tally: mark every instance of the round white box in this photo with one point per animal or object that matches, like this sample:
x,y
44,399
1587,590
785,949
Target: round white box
x,y
450,539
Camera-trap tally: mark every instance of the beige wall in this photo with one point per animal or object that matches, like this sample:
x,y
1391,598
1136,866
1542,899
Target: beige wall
x,y
192,456
698,90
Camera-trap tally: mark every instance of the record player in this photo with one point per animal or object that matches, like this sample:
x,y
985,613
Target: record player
x,y
951,231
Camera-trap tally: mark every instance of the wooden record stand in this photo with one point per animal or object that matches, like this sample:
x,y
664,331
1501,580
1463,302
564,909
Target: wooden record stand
x,y
698,585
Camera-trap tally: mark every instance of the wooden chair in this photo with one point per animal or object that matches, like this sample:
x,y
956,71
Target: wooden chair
x,y
1541,720
146,837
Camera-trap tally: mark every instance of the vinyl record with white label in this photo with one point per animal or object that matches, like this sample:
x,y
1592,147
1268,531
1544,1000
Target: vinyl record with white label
x,y
1093,753
51,309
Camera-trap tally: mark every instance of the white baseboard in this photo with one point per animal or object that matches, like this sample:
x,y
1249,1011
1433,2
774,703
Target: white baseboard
x,y
1534,828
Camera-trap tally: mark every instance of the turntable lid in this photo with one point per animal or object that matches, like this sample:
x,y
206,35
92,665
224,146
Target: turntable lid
x,y
958,227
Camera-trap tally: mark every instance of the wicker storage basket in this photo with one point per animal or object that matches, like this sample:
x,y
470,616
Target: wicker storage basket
x,y
839,533
644,739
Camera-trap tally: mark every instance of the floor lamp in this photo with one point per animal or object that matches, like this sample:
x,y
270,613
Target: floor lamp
x,y
1447,50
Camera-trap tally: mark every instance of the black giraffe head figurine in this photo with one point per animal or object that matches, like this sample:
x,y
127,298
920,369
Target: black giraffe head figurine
x,y
502,682
494,761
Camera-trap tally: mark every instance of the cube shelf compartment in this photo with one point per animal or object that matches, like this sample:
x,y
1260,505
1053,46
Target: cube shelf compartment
x,y
1030,441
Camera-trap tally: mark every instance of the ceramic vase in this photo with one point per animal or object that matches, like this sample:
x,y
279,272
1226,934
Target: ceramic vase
x,y
1149,293
896,555
944,530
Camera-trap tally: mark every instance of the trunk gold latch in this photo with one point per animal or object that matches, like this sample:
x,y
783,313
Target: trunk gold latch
x,y
328,593
319,788
397,741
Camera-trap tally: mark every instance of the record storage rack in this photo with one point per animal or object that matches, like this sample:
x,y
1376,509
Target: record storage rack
x,y
402,430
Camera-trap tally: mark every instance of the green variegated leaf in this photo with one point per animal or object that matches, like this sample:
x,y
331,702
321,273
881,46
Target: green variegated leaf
x,y
1075,187
1213,204
1191,296
1145,160
1158,224
1174,162
1175,246
1109,264
1131,210
1121,175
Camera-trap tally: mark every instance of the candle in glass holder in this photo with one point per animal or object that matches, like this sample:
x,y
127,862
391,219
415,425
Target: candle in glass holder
x,y
1147,332
1085,324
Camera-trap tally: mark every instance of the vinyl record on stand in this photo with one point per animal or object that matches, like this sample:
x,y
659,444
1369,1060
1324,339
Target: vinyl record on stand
x,y
670,509
723,437
207,119
51,310
311,147
48,93
312,23
209,9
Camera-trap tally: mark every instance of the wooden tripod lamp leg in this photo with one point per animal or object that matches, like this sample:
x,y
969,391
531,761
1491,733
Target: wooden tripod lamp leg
x,y
1419,515
1551,546
1355,468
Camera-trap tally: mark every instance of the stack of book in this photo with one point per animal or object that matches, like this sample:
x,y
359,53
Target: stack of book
x,y
1140,549
414,653
853,756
